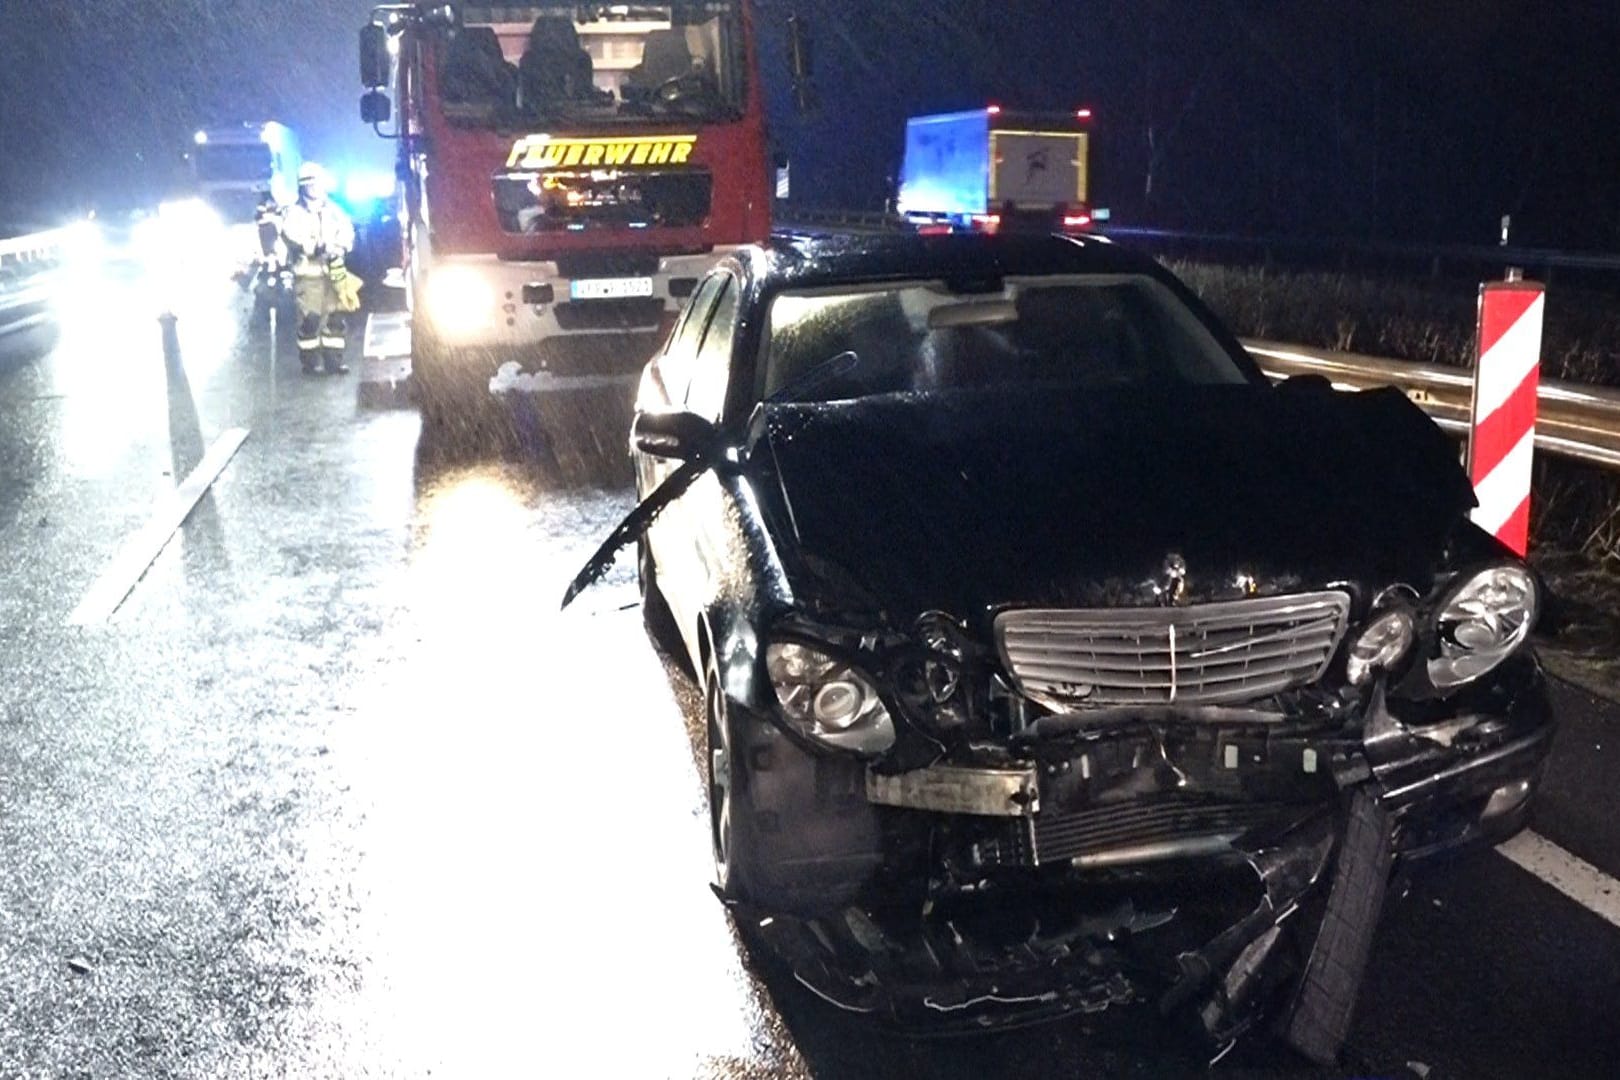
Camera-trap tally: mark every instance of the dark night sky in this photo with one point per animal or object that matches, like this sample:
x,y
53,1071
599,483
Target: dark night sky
x,y
1390,118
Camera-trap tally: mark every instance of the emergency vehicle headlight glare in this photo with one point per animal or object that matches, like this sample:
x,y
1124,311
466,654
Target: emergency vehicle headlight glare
x,y
1480,622
459,301
190,223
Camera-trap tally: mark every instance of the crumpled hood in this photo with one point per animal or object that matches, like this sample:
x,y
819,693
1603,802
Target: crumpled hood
x,y
965,501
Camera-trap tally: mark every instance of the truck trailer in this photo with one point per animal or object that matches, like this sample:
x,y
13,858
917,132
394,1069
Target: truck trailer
x,y
995,170
233,165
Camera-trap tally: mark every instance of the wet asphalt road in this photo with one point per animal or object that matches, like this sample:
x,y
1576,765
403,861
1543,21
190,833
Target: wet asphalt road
x,y
338,792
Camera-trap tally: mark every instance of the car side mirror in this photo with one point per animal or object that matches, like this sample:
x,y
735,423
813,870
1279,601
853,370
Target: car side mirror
x,y
373,56
679,436
375,108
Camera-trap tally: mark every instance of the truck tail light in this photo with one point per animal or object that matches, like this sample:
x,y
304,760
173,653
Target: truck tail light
x,y
1076,221
987,223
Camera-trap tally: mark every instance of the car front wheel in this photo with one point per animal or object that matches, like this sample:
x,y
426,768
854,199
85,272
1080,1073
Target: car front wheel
x,y
655,610
730,828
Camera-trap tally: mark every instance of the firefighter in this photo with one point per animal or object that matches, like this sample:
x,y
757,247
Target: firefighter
x,y
318,235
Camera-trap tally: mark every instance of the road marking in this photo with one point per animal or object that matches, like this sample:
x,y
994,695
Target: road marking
x,y
1571,875
142,549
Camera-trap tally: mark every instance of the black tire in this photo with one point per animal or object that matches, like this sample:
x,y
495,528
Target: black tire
x,y
1326,1000
731,830
655,613
428,389
445,405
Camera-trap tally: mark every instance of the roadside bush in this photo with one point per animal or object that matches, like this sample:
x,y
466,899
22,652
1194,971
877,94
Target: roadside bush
x,y
1430,321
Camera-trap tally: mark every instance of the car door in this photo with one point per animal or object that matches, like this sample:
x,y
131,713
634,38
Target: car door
x,y
664,386
688,551
664,382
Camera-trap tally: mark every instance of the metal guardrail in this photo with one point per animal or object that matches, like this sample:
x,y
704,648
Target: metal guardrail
x,y
1545,259
790,218
796,217
27,264
1574,421
37,247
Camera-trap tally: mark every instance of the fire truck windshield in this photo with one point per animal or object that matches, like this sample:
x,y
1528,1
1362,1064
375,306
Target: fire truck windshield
x,y
517,65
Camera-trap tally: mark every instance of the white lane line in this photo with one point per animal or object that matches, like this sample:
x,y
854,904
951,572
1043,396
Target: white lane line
x,y
143,548
1571,875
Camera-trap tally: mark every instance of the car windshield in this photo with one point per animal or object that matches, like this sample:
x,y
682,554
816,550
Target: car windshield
x,y
522,65
1092,331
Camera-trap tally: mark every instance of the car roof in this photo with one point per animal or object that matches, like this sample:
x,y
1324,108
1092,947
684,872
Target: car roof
x,y
804,261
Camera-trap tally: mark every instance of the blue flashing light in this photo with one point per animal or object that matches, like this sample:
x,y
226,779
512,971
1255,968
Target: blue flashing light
x,y
366,187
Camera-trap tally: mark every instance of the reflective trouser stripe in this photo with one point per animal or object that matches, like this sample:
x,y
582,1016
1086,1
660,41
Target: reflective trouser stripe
x,y
332,341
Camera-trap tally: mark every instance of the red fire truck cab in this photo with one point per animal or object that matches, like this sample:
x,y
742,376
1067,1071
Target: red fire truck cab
x,y
568,172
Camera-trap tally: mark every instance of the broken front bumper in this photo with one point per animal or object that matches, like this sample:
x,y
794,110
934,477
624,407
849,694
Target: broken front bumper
x,y
1106,822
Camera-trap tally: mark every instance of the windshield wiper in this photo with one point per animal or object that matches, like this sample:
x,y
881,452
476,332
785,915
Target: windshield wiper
x,y
819,375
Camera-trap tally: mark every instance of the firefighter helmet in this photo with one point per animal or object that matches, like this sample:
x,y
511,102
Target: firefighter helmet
x,y
313,180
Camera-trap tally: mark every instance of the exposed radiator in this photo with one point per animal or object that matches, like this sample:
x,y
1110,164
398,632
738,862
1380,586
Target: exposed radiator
x,y
1133,832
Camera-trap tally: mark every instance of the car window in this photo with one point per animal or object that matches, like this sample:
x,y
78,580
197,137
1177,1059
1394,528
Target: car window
x,y
711,371
675,366
1093,331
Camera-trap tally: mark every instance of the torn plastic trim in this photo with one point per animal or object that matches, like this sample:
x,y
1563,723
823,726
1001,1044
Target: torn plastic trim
x,y
940,980
1224,976
1537,743
938,976
637,522
1467,751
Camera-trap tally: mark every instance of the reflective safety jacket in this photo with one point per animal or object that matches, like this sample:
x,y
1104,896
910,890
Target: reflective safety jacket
x,y
316,234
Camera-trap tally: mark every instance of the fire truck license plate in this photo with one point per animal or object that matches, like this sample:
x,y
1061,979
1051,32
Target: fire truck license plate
x,y
623,288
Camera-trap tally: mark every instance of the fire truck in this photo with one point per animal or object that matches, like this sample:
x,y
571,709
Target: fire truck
x,y
569,172
996,170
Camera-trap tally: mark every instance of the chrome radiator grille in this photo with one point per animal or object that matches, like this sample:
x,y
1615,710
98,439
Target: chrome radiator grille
x,y
1207,654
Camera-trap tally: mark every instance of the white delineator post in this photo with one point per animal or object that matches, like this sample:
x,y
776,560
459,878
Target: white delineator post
x,y
1502,427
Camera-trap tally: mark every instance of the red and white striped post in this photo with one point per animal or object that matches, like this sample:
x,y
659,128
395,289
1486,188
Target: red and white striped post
x,y
1502,425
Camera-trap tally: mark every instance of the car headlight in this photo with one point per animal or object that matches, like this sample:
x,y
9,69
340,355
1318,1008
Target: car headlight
x,y
828,700
1380,646
460,301
1482,621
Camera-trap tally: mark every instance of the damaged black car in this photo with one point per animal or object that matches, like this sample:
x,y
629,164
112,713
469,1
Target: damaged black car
x,y
1053,659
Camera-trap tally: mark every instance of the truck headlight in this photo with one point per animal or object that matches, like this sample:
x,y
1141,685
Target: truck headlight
x,y
460,301
1380,646
827,699
1481,621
